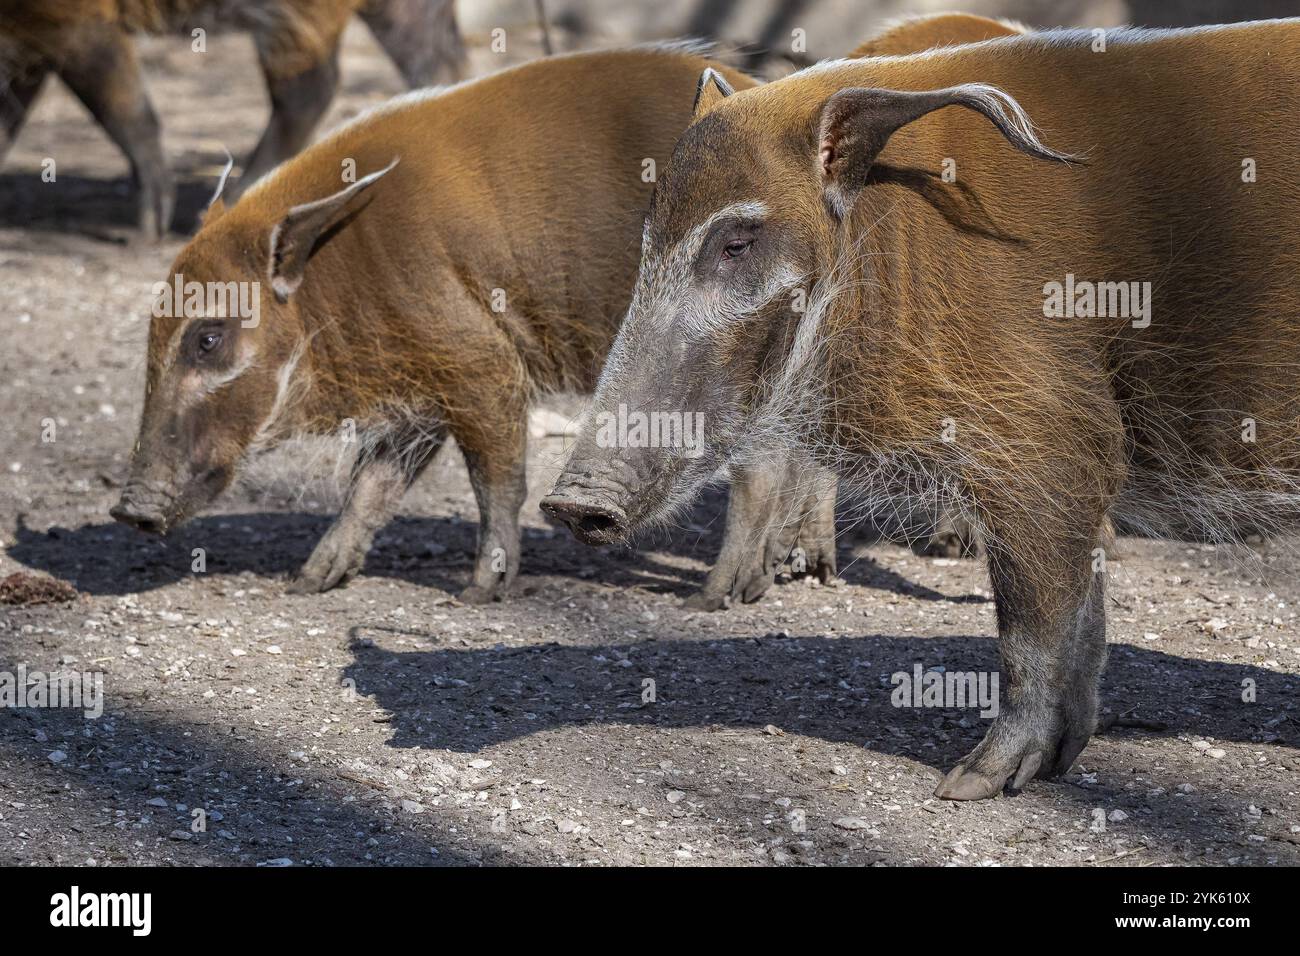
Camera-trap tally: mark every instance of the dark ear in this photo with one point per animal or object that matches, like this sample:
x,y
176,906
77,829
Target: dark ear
x,y
711,90
293,240
857,123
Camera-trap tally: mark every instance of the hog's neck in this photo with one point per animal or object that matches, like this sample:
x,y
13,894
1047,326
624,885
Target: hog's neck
x,y
364,358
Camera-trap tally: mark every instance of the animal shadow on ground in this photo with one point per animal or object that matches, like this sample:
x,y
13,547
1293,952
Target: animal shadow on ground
x,y
431,551
103,209
835,689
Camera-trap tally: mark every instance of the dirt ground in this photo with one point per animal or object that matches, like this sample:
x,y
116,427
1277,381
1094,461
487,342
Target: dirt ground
x,y
385,723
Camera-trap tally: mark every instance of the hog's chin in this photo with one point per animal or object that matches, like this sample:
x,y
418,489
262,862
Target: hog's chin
x,y
202,490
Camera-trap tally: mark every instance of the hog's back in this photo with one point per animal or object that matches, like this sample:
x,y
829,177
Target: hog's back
x,y
526,190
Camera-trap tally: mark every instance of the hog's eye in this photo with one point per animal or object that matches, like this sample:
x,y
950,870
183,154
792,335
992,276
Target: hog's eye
x,y
736,248
207,344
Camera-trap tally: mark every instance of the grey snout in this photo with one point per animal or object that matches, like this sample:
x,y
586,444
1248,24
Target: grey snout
x,y
591,516
139,513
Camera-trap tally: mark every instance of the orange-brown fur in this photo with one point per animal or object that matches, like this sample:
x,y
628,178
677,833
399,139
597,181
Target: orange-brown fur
x,y
926,359
917,34
948,535
511,183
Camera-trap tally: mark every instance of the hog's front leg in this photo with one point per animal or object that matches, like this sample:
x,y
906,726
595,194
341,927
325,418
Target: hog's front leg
x,y
800,534
812,552
380,478
1052,640
742,570
500,486
777,514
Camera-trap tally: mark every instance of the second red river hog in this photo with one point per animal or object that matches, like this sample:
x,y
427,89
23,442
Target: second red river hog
x,y
425,271
1046,280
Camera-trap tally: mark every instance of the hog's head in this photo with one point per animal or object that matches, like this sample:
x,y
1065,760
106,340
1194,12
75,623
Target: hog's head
x,y
225,340
747,222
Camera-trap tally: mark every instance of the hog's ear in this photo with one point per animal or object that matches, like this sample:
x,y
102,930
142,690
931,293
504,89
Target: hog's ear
x,y
710,91
857,123
216,205
296,235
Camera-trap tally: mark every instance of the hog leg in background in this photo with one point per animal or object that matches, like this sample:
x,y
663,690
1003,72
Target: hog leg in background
x,y
22,71
100,66
776,514
302,73
420,36
301,67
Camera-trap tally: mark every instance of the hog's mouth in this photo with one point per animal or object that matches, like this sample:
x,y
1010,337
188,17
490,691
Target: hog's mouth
x,y
156,510
145,510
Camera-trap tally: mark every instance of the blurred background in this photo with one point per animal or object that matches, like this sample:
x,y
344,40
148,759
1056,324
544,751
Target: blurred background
x,y
215,100
833,27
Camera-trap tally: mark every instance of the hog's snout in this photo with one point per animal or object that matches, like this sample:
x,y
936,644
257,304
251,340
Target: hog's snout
x,y
592,520
142,519
143,510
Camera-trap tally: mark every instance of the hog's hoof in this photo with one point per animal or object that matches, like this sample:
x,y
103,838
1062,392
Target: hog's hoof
x,y
1007,759
314,581
962,783
477,594
704,601
823,570
750,589
315,584
336,561
337,558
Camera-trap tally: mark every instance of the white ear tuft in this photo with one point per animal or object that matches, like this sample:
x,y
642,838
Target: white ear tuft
x,y
225,175
711,88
